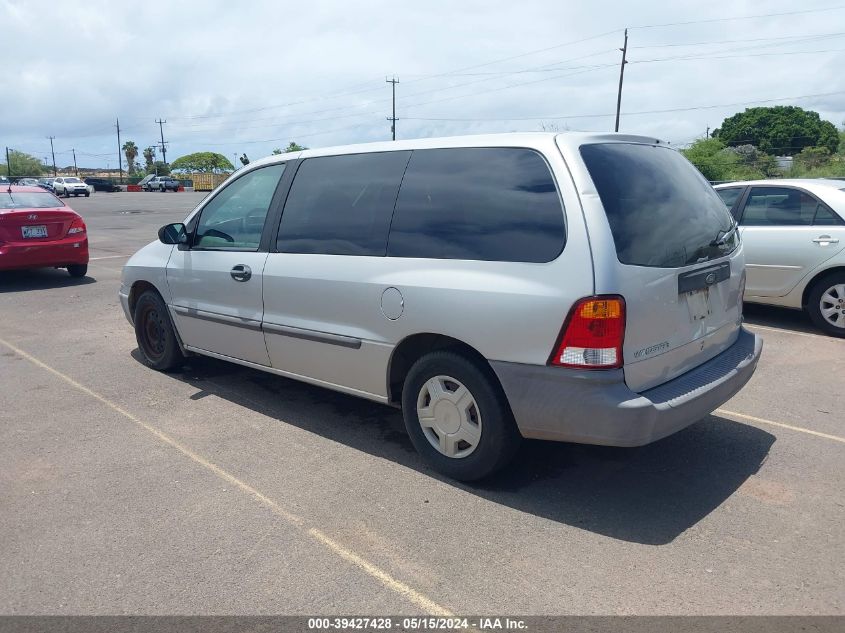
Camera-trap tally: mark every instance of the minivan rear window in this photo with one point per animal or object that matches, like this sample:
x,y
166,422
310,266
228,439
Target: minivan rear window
x,y
489,203
661,210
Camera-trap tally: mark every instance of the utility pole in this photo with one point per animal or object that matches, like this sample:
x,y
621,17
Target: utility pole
x,y
119,150
392,119
707,133
75,168
163,148
8,165
53,152
624,50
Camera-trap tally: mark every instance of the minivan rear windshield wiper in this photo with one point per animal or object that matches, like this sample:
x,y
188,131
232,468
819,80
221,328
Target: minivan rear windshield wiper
x,y
724,235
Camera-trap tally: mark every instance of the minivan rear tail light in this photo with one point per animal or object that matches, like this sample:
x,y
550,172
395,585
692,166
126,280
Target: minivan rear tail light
x,y
76,227
592,335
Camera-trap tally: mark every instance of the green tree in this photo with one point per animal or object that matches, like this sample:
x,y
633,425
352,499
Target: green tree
x,y
712,158
130,150
779,130
160,167
202,162
21,165
149,159
812,157
292,147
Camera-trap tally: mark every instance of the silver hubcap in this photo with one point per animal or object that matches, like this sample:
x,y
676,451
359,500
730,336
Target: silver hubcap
x,y
832,305
449,416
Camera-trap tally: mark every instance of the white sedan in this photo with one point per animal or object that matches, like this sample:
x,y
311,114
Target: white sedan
x,y
794,239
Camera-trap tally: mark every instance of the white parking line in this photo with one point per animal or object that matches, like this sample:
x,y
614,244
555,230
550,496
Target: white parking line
x,y
93,259
397,586
800,429
768,328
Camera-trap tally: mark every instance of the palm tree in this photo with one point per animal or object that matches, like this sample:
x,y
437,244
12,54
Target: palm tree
x,y
150,157
130,150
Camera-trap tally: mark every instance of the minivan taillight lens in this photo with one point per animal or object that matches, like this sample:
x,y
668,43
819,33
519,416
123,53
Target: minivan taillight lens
x,y
77,227
593,334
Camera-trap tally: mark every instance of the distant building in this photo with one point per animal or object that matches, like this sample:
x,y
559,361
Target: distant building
x,y
784,162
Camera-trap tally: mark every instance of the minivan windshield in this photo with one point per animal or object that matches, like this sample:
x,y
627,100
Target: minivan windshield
x,y
661,210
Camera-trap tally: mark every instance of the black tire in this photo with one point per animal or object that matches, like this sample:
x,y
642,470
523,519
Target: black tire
x,y
88,194
78,270
500,438
155,334
820,287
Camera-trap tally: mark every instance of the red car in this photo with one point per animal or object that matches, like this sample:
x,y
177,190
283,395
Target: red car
x,y
38,230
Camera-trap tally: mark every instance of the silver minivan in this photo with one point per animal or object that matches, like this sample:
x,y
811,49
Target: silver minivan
x,y
572,287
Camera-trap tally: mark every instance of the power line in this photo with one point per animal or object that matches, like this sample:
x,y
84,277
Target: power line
x,y
739,17
757,39
610,114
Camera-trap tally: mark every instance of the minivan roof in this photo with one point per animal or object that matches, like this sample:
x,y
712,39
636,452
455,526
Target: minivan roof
x,y
509,139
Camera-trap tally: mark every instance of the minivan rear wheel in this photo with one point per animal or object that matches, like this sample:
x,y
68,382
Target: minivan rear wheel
x,y
458,417
155,334
826,304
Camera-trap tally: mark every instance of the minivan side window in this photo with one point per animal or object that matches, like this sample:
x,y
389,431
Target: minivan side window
x,y
234,218
778,206
341,205
493,204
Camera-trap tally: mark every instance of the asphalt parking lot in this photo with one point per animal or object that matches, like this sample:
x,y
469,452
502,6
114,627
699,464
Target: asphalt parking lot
x,y
221,489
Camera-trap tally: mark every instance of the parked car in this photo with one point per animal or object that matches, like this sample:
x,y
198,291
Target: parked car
x,y
102,184
38,230
494,287
794,236
161,183
70,186
4,181
27,182
46,183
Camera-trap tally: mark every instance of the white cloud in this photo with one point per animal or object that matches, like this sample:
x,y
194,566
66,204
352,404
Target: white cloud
x,y
71,68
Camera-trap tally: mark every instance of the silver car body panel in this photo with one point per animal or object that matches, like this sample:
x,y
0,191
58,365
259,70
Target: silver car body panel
x,y
322,318
781,261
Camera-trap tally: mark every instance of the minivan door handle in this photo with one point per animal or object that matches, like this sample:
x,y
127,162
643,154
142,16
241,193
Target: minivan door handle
x,y
824,240
241,272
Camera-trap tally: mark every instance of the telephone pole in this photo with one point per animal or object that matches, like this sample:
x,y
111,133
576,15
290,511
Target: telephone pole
x,y
624,50
392,119
8,165
707,133
119,150
75,168
163,148
53,152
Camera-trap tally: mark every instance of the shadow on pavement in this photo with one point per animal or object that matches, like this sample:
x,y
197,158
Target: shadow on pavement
x,y
39,279
646,495
784,318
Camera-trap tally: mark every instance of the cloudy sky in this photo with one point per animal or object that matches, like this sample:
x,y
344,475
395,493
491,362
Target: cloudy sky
x,y
237,77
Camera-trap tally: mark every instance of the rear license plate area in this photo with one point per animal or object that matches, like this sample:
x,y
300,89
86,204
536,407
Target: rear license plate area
x,y
695,287
34,231
703,277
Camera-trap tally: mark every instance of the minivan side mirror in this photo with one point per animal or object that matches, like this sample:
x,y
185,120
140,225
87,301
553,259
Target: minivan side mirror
x,y
173,234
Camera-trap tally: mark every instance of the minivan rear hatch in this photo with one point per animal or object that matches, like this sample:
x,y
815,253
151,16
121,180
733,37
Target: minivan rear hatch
x,y
662,239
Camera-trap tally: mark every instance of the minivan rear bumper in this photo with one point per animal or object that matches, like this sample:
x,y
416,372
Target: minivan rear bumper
x,y
596,407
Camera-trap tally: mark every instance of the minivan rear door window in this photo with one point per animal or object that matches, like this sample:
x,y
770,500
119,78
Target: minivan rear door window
x,y
662,212
488,203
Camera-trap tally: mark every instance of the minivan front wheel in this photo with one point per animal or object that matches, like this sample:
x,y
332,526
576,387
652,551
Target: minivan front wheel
x,y
458,417
155,334
826,304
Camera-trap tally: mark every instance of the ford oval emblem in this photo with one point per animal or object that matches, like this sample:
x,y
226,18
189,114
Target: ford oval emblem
x,y
32,216
710,279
